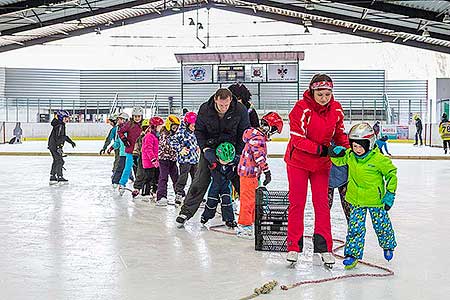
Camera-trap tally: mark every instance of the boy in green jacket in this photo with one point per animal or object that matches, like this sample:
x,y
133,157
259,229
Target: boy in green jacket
x,y
372,184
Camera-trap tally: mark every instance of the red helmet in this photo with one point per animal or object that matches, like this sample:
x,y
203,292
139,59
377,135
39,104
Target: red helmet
x,y
156,121
190,117
274,121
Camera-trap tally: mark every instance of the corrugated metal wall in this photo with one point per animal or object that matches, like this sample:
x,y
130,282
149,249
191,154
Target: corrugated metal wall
x,y
2,83
407,97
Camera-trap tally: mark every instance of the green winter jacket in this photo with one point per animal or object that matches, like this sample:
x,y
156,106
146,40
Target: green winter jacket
x,y
368,178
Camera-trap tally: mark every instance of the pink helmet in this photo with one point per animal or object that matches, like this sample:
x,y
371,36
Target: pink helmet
x,y
190,117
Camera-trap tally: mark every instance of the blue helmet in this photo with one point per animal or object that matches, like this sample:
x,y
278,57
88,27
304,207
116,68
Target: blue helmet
x,y
60,114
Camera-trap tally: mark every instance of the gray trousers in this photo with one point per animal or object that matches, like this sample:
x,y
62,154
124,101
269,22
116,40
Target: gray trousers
x,y
185,170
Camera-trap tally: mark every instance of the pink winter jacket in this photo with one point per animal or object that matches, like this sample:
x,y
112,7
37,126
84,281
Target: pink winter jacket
x,y
253,157
150,151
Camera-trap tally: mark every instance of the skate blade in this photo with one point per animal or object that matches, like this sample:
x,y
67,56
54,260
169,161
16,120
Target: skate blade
x,y
53,183
291,264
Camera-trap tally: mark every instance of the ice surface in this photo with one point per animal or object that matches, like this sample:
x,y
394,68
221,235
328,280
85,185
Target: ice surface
x,y
84,241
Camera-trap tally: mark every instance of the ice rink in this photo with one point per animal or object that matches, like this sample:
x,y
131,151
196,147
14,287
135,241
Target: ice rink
x,y
84,241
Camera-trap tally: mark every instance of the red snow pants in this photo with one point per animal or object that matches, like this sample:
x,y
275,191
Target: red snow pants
x,y
247,200
298,189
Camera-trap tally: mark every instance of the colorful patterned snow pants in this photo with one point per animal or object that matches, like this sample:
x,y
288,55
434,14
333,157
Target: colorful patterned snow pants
x,y
354,245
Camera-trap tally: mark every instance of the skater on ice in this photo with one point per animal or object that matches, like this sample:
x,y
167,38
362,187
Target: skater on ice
x,y
315,121
372,186
252,164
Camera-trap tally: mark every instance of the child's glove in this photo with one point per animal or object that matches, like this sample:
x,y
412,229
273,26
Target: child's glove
x,y
210,156
268,177
102,151
110,149
184,151
73,144
388,200
336,151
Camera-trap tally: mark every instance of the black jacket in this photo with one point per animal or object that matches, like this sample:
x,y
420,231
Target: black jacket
x,y
419,124
58,135
210,130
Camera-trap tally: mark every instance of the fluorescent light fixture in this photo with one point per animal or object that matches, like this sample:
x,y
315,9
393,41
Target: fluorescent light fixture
x,y
425,33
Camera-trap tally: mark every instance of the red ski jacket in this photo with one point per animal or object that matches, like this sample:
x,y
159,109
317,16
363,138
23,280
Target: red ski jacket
x,y
312,126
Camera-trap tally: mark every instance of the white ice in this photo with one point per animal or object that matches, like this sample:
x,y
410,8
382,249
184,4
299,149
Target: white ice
x,y
84,241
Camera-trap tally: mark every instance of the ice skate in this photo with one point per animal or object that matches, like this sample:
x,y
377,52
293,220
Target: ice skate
x,y
203,221
181,219
62,180
325,258
388,254
231,224
350,262
115,186
122,190
245,232
178,199
53,180
171,201
162,202
135,193
292,257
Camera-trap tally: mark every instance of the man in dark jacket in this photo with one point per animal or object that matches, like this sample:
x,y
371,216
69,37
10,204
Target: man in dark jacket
x,y
221,119
56,142
419,129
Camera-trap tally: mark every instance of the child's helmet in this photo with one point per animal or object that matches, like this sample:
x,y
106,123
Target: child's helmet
x,y
156,121
273,121
362,134
123,115
416,117
112,118
226,152
172,120
137,111
145,123
61,114
190,117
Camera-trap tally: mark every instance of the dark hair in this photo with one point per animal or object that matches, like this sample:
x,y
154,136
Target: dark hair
x,y
316,78
240,91
223,93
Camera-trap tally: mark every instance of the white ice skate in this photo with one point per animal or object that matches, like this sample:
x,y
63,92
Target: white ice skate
x,y
245,232
181,219
178,199
115,186
171,201
326,259
122,190
161,202
292,257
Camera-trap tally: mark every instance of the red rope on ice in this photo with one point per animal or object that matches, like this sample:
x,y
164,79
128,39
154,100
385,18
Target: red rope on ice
x,y
388,272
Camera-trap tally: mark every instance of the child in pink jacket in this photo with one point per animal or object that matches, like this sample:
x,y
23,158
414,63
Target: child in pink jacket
x,y
150,144
251,165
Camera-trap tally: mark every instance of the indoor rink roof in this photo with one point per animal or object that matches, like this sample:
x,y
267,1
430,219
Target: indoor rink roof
x,y
421,24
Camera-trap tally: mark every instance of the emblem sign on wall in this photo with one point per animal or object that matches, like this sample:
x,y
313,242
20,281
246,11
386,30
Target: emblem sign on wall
x,y
256,73
282,72
197,74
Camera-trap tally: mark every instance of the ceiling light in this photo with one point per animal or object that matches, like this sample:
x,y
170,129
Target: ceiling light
x,y
80,24
306,29
310,6
48,10
200,25
191,21
98,30
446,18
175,9
307,22
425,33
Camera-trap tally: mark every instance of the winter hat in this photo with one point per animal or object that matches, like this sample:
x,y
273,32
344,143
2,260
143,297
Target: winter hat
x,y
363,143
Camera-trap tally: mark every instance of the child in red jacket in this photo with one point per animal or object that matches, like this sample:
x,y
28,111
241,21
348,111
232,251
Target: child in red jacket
x,y
251,165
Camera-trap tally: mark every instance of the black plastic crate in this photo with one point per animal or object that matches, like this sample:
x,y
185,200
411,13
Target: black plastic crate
x,y
271,217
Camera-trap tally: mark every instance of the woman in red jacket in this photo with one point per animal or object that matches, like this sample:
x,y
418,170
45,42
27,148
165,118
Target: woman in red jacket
x,y
315,121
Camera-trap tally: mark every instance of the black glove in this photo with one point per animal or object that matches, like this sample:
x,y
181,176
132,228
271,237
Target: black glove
x,y
322,150
268,177
60,151
73,144
336,151
210,156
126,142
102,151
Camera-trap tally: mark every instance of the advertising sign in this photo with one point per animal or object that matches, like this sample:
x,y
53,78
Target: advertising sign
x,y
282,72
197,74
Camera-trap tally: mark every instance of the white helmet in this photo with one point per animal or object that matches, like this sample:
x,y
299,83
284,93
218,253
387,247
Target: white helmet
x,y
123,115
137,111
362,131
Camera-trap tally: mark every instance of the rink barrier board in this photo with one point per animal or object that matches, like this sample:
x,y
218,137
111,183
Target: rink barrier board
x,y
271,218
30,153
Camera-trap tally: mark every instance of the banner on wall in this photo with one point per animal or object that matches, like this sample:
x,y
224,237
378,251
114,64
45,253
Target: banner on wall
x,y
390,131
256,73
197,74
402,132
282,72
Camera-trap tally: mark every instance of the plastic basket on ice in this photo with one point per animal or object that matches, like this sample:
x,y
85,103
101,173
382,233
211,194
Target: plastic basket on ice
x,y
271,217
